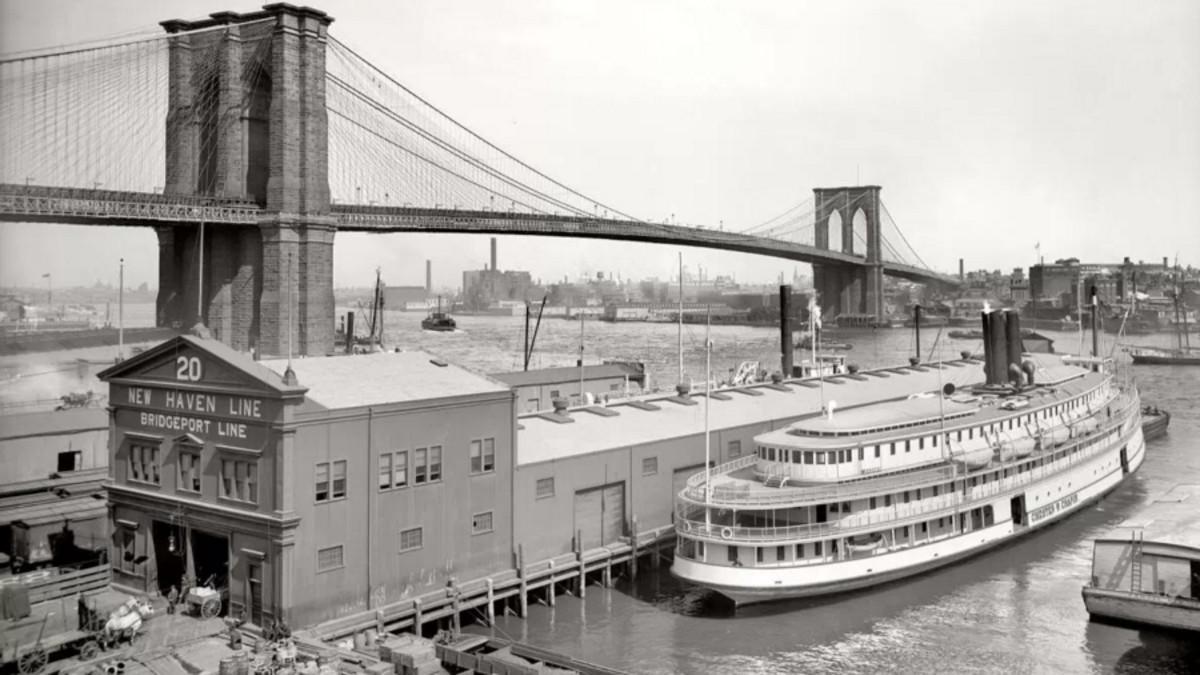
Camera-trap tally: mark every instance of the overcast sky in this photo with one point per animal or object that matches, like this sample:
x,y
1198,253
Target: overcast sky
x,y
990,125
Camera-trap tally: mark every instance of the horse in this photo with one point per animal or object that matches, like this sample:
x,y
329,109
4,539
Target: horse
x,y
127,619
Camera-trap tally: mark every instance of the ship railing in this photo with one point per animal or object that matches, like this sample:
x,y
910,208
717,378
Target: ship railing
x,y
745,496
896,515
697,479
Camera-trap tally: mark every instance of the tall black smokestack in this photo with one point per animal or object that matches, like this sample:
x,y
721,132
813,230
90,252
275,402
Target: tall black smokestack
x,y
494,268
785,329
428,276
1012,334
961,276
995,352
349,332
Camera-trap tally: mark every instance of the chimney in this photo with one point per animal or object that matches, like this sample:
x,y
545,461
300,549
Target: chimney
x,y
1014,344
995,351
349,332
494,268
428,276
961,276
785,330
1165,265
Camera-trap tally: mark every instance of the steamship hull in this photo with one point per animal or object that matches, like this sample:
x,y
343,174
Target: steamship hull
x,y
889,472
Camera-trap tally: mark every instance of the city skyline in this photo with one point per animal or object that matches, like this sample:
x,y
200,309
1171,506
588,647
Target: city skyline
x,y
1009,118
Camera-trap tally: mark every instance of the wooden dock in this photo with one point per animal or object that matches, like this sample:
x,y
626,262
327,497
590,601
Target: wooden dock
x,y
508,591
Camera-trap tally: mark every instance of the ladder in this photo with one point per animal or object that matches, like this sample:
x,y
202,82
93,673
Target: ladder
x,y
1135,562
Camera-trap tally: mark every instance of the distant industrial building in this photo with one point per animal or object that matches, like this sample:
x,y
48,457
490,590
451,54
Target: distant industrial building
x,y
487,287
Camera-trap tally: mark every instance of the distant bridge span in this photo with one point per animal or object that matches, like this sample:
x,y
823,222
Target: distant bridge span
x,y
81,206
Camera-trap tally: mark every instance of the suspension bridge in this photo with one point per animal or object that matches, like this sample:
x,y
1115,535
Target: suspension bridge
x,y
248,140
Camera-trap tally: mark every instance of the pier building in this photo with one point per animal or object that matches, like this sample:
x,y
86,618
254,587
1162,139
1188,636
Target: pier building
x,y
309,490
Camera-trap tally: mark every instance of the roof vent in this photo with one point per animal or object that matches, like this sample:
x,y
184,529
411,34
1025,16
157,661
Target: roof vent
x,y
560,405
683,389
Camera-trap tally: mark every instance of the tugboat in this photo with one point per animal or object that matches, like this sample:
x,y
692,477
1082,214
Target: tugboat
x,y
439,320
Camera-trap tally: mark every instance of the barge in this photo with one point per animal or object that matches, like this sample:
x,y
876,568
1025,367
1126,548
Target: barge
x,y
1147,570
852,498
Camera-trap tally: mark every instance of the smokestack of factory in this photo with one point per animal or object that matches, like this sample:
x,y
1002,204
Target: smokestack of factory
x,y
494,268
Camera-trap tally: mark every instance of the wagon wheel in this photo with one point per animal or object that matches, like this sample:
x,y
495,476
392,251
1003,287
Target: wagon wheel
x,y
32,661
210,608
89,650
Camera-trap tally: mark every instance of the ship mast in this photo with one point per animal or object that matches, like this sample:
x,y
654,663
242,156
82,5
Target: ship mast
x,y
707,400
680,318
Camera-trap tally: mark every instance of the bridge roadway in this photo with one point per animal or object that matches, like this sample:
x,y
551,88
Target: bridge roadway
x,y
82,206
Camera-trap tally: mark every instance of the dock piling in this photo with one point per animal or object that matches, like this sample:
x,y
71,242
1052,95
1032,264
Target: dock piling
x,y
491,602
417,621
524,594
633,557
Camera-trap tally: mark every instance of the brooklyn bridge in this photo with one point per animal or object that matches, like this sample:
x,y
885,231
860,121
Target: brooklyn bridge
x,y
247,141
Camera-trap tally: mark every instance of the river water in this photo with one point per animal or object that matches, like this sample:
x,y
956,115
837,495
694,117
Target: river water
x,y
1013,610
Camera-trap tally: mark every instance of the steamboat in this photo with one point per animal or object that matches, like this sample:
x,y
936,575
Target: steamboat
x,y
847,499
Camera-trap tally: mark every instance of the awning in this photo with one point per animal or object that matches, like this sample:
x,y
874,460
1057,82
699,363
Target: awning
x,y
41,513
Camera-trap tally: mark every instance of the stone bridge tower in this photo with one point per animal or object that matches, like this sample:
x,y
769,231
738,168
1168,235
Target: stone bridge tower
x,y
246,119
850,289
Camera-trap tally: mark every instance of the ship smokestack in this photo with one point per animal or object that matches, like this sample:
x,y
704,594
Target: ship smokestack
x,y
785,330
349,332
995,351
1012,335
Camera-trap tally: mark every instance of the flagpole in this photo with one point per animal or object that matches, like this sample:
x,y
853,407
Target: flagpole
x,y
707,399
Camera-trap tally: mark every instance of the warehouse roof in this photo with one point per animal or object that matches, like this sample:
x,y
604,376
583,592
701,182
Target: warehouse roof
x,y
53,423
524,378
542,439
383,377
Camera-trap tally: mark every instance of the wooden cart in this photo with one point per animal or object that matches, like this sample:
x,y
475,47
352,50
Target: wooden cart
x,y
31,657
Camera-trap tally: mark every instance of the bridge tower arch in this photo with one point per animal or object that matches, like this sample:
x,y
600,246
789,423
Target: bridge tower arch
x,y
850,289
246,119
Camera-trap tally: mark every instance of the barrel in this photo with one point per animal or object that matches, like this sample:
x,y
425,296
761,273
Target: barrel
x,y
228,666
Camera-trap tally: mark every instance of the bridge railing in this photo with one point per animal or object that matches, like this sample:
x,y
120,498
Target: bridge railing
x,y
48,202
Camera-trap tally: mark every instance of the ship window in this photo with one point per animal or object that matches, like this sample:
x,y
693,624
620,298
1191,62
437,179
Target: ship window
x,y
904,532
906,446
876,452
960,436
732,554
970,433
892,448
758,554
770,454
935,441
935,490
808,457
921,443
841,456
817,548
799,551
872,502
780,553
887,500
860,454
820,458
906,496
924,528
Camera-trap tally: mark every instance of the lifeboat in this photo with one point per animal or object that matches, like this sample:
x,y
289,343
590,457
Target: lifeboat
x,y
1050,437
973,458
1084,426
864,542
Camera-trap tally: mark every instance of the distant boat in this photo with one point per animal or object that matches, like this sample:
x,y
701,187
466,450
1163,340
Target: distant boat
x,y
966,334
1184,353
439,320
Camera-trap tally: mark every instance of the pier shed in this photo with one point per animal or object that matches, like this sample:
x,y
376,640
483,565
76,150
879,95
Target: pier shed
x,y
307,490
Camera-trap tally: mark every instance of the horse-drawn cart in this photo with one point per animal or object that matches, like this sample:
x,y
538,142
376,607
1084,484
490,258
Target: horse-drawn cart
x,y
31,643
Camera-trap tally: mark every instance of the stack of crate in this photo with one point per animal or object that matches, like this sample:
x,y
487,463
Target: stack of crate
x,y
411,655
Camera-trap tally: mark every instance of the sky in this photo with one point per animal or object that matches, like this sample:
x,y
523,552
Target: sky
x,y
991,126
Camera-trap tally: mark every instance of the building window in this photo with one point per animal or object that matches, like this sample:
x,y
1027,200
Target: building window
x,y
411,540
330,558
239,480
554,393
545,487
435,463
189,470
385,471
483,455
649,466
481,523
143,463
128,550
331,480
735,448
421,462
400,470
70,460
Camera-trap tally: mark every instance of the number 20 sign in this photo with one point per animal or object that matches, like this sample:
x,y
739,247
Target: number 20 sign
x,y
188,368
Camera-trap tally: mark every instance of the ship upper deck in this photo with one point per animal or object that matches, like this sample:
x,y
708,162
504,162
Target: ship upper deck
x,y
885,421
